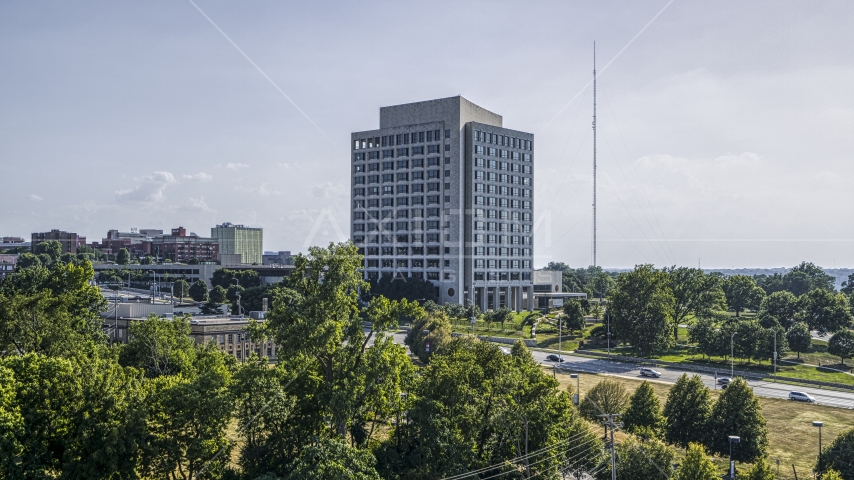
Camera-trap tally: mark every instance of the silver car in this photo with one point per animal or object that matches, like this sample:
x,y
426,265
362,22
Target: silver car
x,y
648,372
801,397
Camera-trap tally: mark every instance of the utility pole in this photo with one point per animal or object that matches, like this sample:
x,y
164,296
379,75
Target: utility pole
x,y
594,154
610,424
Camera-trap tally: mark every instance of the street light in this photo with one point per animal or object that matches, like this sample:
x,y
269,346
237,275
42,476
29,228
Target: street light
x,y
820,466
577,399
608,315
732,439
732,355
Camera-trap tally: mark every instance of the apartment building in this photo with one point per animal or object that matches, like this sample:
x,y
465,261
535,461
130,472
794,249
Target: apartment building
x,y
248,242
442,191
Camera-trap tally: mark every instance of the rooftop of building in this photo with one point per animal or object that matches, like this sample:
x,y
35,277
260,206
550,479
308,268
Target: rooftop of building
x,y
437,110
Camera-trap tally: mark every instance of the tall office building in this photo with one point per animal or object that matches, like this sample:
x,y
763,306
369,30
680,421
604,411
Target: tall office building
x,y
442,191
247,241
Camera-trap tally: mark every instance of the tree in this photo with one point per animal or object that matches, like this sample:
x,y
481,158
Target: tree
x,y
641,309
824,311
769,338
51,248
602,283
841,344
438,334
469,410
651,459
847,285
607,396
502,315
799,338
696,465
188,420
706,335
807,276
831,475
742,293
781,306
123,257
839,455
694,293
318,324
159,346
573,316
398,288
643,416
687,411
737,412
332,458
27,260
225,277
218,294
211,308
180,289
233,295
11,423
199,291
761,470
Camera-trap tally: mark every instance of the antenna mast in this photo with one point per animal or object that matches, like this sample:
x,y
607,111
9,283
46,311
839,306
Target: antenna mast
x,y
594,154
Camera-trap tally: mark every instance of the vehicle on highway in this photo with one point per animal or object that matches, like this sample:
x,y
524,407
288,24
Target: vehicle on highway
x,y
554,358
504,350
648,372
724,382
801,397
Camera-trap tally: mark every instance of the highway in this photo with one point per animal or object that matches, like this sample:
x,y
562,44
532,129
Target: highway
x,y
577,364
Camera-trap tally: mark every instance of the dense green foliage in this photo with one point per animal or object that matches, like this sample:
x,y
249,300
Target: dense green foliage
x,y
607,396
841,344
737,412
643,416
696,465
839,455
687,411
650,459
641,309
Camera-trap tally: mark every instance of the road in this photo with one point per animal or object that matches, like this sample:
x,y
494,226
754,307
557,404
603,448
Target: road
x,y
576,364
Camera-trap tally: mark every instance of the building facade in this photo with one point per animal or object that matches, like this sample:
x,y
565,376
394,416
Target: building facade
x,y
238,239
278,258
180,247
441,191
69,240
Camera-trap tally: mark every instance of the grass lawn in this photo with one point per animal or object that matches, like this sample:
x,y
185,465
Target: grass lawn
x,y
791,437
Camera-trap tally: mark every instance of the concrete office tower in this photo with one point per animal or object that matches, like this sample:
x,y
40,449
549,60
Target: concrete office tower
x,y
442,191
247,241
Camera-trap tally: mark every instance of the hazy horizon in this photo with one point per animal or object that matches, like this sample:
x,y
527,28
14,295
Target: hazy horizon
x,y
724,130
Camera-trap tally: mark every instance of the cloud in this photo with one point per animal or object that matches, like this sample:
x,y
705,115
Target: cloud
x,y
262,190
35,197
149,190
327,189
236,166
199,177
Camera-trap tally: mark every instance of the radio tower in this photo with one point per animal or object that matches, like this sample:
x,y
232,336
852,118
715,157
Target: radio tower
x,y
594,154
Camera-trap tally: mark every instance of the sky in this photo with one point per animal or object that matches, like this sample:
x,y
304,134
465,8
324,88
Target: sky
x,y
725,129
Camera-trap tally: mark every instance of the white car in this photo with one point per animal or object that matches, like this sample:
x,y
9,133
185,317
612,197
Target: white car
x,y
648,372
801,397
724,381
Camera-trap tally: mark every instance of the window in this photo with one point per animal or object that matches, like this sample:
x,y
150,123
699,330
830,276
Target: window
x,y
432,199
374,167
373,264
526,169
478,149
432,212
478,200
373,214
359,192
399,139
417,212
402,164
489,263
373,155
525,216
358,204
432,250
418,150
433,162
373,251
433,225
402,189
478,263
526,180
420,137
385,141
402,263
402,152
526,193
447,134
388,263
418,200
417,188
374,203
436,135
447,173
403,214
526,205
402,226
388,177
359,180
359,168
447,147
478,187
418,162
405,138
432,238
359,215
432,264
388,202
360,156
479,162
388,165
432,149
418,250
433,187
479,251
388,190
358,227
417,175
478,175
388,153
419,263
402,177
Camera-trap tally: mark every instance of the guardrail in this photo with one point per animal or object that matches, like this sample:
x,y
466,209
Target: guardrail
x,y
701,368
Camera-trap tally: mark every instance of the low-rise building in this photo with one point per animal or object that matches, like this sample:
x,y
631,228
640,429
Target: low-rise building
x,y
548,286
277,258
137,241
7,264
69,240
181,247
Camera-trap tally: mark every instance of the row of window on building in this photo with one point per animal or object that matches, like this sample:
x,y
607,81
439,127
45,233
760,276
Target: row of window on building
x,y
498,152
501,276
401,177
507,166
434,251
401,164
400,139
503,140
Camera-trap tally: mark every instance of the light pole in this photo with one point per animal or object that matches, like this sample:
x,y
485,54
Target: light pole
x,y
559,338
608,317
820,466
732,439
775,354
577,399
732,355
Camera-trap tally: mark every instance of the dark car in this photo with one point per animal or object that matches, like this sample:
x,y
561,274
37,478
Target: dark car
x,y
554,358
